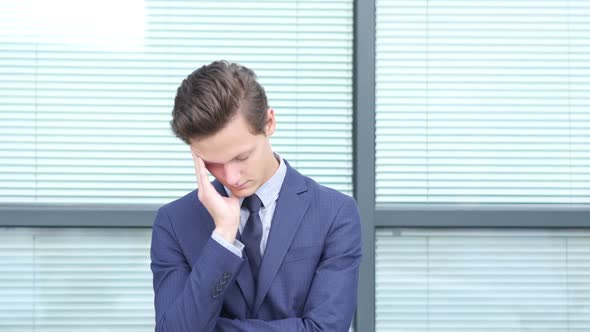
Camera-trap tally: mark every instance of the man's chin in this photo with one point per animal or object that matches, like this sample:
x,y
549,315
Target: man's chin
x,y
242,192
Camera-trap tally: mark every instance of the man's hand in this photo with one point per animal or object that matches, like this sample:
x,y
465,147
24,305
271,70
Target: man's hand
x,y
224,210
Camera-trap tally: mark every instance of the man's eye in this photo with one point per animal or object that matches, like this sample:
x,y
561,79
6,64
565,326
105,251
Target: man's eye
x,y
210,165
242,158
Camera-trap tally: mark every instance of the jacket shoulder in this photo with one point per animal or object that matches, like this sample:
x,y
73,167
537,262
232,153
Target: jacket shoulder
x,y
183,210
326,196
188,201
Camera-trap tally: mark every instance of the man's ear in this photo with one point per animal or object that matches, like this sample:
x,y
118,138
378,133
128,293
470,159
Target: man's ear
x,y
271,122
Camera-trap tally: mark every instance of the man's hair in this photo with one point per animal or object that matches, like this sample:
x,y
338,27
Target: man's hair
x,y
210,96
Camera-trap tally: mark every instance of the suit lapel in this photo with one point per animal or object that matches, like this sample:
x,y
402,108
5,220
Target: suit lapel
x,y
244,278
292,204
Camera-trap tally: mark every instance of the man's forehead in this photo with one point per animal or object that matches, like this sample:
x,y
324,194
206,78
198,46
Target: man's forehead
x,y
218,157
204,156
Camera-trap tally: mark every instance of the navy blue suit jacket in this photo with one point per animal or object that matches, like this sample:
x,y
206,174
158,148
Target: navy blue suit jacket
x,y
308,275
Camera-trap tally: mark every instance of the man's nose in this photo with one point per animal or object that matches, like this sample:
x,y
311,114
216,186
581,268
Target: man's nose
x,y
232,174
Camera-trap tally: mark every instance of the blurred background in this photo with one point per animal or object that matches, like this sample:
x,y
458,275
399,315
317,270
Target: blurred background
x,y
461,127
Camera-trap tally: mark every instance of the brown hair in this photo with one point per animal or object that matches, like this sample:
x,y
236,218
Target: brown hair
x,y
210,96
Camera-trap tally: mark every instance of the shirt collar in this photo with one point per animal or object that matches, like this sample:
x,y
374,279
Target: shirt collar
x,y
268,192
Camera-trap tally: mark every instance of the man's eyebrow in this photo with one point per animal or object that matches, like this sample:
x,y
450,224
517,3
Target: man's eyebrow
x,y
208,162
203,159
243,154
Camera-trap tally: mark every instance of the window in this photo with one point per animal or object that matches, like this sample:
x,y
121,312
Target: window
x,y
482,102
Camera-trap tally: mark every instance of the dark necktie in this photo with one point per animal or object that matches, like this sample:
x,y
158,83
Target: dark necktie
x,y
252,233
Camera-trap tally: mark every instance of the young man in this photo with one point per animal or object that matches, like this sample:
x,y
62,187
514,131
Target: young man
x,y
261,248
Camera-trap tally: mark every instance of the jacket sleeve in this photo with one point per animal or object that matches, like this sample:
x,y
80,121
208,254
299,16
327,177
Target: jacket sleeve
x,y
332,297
188,298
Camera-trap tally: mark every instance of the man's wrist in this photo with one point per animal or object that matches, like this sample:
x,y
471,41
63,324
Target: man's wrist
x,y
227,233
235,246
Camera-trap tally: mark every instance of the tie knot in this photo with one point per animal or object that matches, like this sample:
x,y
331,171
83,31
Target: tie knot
x,y
252,203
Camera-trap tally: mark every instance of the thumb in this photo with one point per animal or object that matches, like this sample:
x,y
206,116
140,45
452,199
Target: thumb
x,y
234,200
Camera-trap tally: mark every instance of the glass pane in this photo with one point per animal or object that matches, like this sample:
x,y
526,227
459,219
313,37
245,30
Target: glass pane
x,y
64,279
85,107
453,280
482,102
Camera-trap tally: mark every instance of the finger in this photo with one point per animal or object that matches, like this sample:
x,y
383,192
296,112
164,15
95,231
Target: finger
x,y
202,178
234,200
196,166
199,166
201,171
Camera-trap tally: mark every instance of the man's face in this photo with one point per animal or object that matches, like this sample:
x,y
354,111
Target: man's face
x,y
238,159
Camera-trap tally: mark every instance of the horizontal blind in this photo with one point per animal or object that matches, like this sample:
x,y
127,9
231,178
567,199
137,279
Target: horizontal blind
x,y
87,89
483,101
482,280
58,279
68,279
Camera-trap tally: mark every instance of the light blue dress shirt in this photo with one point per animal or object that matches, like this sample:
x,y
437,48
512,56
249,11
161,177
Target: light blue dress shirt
x,y
268,194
